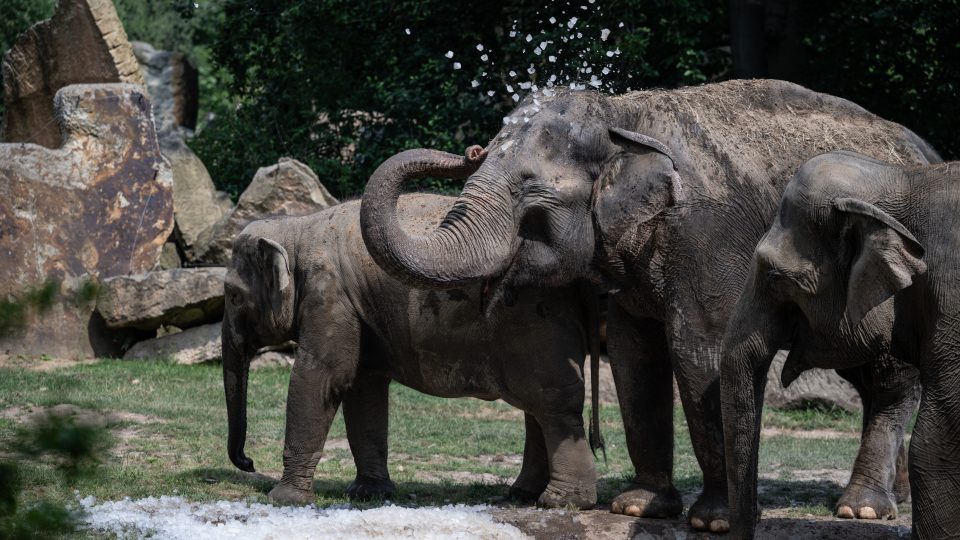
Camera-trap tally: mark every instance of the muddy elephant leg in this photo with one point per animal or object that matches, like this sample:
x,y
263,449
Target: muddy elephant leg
x,y
365,414
696,364
325,367
643,376
889,394
573,477
535,471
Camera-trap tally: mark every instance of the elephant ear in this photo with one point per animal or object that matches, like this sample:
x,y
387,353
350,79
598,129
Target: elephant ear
x,y
275,268
887,260
638,184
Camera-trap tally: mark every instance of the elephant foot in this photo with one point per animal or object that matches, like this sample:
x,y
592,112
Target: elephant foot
x,y
639,500
286,494
364,489
581,496
710,513
860,502
526,488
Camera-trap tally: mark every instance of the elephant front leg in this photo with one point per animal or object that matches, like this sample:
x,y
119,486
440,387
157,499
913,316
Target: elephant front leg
x,y
889,394
643,376
698,379
535,471
325,367
366,413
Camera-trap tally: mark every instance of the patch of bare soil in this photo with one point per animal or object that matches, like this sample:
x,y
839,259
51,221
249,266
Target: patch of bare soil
x,y
40,364
600,524
808,433
491,413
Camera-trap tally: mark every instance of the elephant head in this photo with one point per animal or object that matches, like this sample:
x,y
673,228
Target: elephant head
x,y
562,183
821,283
258,311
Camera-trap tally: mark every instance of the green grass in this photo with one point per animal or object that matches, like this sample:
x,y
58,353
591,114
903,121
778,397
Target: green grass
x,y
434,442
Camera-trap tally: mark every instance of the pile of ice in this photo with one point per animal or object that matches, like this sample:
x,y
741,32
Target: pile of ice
x,y
175,518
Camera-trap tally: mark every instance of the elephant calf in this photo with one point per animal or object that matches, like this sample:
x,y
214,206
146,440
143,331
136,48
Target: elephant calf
x,y
311,280
862,259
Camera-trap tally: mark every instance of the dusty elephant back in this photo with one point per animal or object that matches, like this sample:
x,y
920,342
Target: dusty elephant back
x,y
738,144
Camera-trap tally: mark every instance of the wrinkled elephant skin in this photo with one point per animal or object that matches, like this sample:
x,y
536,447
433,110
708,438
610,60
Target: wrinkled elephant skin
x,y
661,195
862,259
309,279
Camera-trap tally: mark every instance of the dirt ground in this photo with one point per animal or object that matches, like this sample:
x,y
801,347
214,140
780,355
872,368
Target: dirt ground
x,y
600,524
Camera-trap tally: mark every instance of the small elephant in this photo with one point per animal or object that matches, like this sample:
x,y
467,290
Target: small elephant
x,y
310,280
862,259
662,196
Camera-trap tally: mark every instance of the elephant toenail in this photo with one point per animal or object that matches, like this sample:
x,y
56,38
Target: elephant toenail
x,y
697,523
719,526
616,507
632,510
868,513
845,512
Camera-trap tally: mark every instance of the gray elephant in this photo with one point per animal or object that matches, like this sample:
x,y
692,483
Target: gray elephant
x,y
661,195
863,258
309,279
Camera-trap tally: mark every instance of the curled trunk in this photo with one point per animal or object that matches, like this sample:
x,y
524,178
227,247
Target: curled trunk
x,y
236,369
475,240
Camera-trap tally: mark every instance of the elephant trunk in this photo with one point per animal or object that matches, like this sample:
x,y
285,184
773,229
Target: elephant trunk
x,y
475,240
236,368
749,346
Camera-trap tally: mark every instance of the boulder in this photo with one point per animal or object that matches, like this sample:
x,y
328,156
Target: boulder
x,y
84,42
272,359
197,205
169,257
813,387
181,297
192,346
288,188
172,83
98,206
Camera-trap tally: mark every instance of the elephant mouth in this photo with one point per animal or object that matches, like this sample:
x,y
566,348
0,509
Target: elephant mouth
x,y
500,288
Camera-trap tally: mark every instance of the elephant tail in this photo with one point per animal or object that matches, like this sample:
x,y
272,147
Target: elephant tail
x,y
592,300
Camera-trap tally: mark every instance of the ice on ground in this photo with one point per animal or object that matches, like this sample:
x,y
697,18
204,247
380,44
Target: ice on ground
x,y
174,518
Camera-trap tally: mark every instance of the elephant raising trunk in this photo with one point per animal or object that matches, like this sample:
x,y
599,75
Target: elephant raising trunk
x,y
476,239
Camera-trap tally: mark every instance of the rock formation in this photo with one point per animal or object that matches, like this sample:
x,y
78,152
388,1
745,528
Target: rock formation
x,y
288,188
84,42
172,83
813,387
182,297
100,206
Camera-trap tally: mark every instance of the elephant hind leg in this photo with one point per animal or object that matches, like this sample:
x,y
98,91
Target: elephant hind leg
x,y
535,471
573,477
888,391
365,414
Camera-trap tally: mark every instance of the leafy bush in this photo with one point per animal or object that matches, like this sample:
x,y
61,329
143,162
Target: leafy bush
x,y
341,85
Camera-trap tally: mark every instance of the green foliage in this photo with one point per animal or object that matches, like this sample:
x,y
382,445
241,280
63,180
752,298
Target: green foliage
x,y
341,86
75,445
897,58
15,17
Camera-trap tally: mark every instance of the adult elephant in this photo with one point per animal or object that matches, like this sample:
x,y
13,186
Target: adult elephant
x,y
663,195
862,258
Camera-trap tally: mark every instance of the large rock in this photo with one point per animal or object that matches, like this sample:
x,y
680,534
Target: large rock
x,y
197,205
813,387
288,188
172,83
192,346
182,297
84,42
100,205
